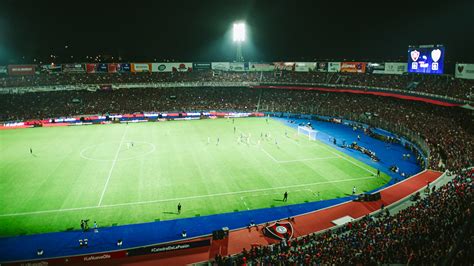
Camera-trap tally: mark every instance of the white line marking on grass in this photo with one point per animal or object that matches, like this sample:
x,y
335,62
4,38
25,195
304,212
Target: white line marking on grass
x,y
153,148
299,160
269,155
187,198
276,193
242,199
361,167
309,159
297,143
113,165
342,157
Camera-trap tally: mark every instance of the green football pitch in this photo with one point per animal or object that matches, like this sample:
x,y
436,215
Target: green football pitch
x,y
123,174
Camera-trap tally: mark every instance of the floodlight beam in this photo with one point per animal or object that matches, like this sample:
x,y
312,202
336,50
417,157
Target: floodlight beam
x,y
239,32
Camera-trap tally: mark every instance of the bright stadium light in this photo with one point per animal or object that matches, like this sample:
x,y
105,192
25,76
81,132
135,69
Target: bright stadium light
x,y
239,35
239,32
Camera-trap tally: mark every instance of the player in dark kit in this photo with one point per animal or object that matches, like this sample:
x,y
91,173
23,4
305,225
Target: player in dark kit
x,y
285,196
31,151
179,207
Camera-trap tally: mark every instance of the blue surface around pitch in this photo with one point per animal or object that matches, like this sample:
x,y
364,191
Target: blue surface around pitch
x,y
66,243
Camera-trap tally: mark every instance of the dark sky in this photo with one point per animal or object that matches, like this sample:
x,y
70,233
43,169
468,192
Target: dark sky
x,y
199,30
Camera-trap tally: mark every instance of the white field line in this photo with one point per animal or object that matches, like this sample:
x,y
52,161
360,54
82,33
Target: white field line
x,y
310,159
269,155
296,142
276,193
185,198
299,160
245,203
112,167
342,157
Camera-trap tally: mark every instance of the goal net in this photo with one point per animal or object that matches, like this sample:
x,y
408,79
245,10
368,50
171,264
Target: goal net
x,y
311,133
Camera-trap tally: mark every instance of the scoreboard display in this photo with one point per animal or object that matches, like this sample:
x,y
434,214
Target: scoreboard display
x,y
428,59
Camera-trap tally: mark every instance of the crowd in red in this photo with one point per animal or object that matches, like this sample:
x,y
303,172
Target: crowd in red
x,y
448,131
433,84
435,230
432,230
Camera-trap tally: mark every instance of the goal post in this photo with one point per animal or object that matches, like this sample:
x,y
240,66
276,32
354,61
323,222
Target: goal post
x,y
311,133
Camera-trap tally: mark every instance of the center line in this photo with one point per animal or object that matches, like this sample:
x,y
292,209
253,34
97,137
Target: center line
x,y
113,165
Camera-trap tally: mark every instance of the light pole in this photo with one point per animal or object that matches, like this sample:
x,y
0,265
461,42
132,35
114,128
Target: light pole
x,y
239,37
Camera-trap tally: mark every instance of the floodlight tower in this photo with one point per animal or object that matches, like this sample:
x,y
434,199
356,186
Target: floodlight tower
x,y
239,38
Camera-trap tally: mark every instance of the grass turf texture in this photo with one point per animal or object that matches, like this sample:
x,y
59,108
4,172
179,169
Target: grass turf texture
x,y
93,172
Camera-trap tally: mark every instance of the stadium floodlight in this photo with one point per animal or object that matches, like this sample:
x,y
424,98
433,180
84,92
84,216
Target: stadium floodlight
x,y
239,32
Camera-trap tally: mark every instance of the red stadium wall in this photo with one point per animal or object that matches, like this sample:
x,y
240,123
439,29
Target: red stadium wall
x,y
384,94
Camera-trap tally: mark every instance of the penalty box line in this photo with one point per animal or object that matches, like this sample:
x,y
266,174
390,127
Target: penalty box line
x,y
322,145
185,198
298,160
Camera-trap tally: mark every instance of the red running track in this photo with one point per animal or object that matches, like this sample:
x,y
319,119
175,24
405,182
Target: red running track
x,y
303,225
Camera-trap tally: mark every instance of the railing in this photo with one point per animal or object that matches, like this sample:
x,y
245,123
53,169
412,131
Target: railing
x,y
224,84
398,91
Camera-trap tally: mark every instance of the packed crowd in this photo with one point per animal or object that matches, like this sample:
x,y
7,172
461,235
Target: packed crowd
x,y
426,233
434,84
448,131
430,232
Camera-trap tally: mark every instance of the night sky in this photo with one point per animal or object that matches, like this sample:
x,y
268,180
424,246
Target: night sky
x,y
199,30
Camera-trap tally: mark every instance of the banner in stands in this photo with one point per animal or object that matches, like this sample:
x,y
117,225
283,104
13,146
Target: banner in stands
x,y
51,68
464,71
74,68
395,68
3,70
353,67
202,66
21,70
124,67
168,247
322,67
238,66
289,66
261,67
172,67
140,67
222,66
334,66
376,68
160,67
305,66
112,68
90,68
101,68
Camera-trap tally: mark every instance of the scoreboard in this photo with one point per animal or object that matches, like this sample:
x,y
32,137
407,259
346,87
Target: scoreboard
x,y
428,59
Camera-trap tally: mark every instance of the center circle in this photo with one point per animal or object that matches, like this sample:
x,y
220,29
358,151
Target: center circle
x,y
107,151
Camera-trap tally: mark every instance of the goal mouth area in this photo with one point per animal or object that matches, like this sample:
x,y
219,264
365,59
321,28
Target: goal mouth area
x,y
308,131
